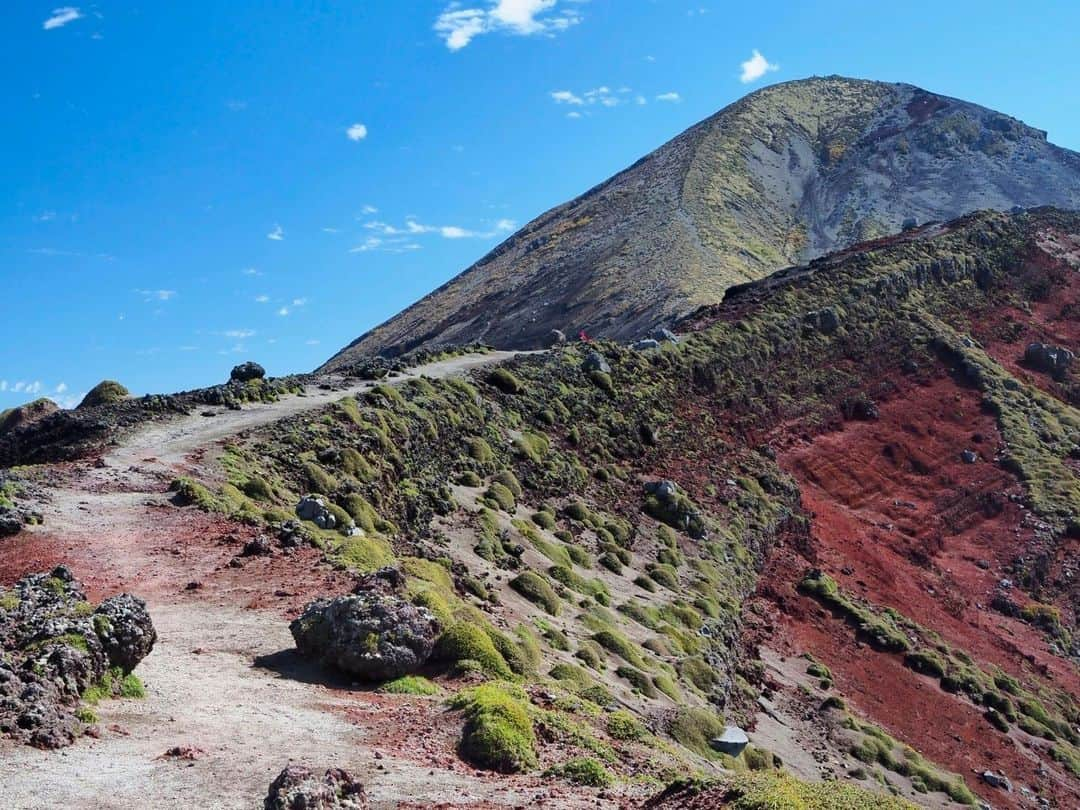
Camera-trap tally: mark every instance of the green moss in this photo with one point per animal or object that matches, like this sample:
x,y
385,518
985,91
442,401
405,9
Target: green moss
x,y
132,687
617,643
479,450
466,641
582,771
498,733
576,510
568,577
191,493
363,514
533,446
591,655
470,479
363,553
766,790
623,726
319,480
638,680
105,392
502,496
258,489
537,590
667,685
544,519
9,600
694,728
410,685
505,381
664,575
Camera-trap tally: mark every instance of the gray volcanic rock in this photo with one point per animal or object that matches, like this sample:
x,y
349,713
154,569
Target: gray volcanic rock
x,y
374,636
297,788
784,175
53,647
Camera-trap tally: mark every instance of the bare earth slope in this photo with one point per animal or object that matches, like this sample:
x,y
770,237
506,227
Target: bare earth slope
x,y
784,175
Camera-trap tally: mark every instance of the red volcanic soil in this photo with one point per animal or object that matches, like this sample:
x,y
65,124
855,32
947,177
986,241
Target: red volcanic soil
x,y
900,520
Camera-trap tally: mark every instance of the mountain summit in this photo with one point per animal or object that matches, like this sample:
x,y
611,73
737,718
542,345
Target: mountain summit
x,y
786,174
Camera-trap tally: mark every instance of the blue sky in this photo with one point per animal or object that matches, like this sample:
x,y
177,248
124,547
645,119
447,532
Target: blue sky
x,y
184,186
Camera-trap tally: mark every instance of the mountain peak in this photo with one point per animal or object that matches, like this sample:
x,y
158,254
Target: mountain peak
x,y
785,174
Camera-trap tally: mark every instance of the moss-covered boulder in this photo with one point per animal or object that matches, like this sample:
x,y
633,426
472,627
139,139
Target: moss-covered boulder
x,y
105,392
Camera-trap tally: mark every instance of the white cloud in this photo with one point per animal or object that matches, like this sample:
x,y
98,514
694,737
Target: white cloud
x,y
299,302
369,210
250,271
573,114
505,225
61,388
283,311
755,67
3,385
262,299
157,295
239,334
61,17
357,132
566,97
311,342
330,230
277,234
459,26
673,98
45,216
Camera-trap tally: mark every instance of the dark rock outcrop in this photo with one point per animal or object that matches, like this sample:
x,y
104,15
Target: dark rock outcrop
x,y
247,371
371,636
55,646
1053,360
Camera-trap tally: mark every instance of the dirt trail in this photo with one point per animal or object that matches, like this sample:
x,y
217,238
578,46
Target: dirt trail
x,y
111,522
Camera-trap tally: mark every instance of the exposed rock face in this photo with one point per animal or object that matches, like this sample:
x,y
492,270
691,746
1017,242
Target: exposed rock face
x,y
54,648
313,508
374,636
297,788
1053,360
784,175
247,371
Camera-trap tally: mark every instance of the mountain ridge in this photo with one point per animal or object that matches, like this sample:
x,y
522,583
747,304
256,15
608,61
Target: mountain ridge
x,y
779,177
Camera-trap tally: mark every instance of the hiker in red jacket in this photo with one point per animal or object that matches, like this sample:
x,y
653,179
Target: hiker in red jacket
x,y
584,338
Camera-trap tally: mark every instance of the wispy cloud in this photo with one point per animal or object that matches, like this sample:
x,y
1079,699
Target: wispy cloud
x,y
671,98
755,67
458,25
61,17
262,299
61,388
239,334
602,96
251,271
369,210
412,227
277,234
156,295
357,132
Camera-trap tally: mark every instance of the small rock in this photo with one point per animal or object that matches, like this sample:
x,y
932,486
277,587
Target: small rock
x,y
665,335
594,361
645,345
969,456
256,547
297,788
731,742
997,780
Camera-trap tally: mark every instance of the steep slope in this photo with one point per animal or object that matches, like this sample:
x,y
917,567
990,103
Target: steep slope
x,y
785,174
841,513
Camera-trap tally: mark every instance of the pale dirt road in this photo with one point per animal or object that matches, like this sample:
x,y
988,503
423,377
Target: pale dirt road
x,y
114,526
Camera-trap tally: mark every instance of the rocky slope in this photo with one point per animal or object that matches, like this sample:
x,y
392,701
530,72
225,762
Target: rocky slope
x,y
840,513
784,175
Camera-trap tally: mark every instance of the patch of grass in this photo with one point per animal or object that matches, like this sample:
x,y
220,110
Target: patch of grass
x,y
879,630
498,733
190,492
410,685
86,715
505,381
575,582
131,686
624,726
537,590
502,496
638,680
319,480
466,641
544,519
479,450
105,392
694,728
582,771
363,553
617,643
533,446
765,790
9,600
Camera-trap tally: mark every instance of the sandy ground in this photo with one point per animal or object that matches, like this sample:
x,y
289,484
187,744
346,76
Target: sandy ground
x,y
222,681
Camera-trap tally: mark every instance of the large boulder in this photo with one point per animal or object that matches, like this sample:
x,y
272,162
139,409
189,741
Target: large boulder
x,y
1053,360
123,625
298,788
11,522
105,392
247,371
372,636
52,649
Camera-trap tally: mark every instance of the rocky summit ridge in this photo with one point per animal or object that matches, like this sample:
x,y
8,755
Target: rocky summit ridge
x,y
784,175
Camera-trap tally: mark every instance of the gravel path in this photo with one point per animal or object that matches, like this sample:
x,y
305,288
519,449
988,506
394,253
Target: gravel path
x,y
206,692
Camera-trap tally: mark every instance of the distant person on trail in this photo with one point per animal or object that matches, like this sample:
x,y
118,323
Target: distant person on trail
x,y
584,338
